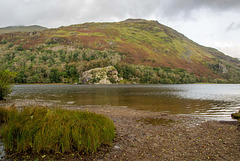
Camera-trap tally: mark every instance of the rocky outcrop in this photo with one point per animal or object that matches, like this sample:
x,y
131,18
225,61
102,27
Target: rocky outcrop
x,y
106,75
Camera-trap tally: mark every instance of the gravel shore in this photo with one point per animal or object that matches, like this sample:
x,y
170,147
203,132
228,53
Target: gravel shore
x,y
143,135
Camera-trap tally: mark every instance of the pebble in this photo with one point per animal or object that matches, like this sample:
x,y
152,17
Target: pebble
x,y
116,147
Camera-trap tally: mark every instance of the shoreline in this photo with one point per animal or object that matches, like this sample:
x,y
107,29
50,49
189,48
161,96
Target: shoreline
x,y
199,83
145,135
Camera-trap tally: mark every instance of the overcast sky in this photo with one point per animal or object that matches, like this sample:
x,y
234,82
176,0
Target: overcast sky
x,y
213,23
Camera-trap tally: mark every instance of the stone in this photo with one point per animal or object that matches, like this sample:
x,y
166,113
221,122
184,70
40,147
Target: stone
x,y
106,75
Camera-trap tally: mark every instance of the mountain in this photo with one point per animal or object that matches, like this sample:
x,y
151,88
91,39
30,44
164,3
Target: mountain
x,y
21,29
142,51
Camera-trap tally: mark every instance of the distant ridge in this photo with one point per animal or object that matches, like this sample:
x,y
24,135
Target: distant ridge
x,y
31,28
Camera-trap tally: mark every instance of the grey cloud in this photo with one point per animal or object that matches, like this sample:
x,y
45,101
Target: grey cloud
x,y
109,9
55,12
146,8
186,7
233,26
65,12
46,12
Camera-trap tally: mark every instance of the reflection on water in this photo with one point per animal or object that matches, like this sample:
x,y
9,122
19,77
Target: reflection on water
x,y
157,121
212,101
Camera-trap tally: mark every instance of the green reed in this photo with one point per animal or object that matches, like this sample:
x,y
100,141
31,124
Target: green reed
x,y
45,130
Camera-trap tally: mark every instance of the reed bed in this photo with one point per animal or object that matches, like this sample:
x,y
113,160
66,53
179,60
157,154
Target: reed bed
x,y
51,130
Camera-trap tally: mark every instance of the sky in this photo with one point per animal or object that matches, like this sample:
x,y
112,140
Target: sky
x,y
212,23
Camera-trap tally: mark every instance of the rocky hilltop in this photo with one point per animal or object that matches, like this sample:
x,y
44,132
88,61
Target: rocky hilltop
x,y
142,51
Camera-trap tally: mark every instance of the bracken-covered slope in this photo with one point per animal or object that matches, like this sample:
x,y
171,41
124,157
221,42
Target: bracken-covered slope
x,y
132,46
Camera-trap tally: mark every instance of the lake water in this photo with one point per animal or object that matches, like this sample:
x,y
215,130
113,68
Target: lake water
x,y
211,101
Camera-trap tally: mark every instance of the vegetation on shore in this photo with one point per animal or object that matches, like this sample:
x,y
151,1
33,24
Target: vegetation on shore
x,y
142,52
236,115
41,130
6,78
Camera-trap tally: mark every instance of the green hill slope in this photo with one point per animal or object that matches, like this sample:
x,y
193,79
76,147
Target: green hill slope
x,y
142,51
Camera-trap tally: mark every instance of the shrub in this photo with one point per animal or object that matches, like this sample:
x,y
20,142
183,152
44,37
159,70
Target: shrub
x,y
19,48
236,115
6,78
44,130
3,42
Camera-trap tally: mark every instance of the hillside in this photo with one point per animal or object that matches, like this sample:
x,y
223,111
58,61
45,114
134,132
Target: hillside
x,y
21,29
142,51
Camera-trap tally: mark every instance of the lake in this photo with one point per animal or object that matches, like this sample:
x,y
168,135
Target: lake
x,y
211,101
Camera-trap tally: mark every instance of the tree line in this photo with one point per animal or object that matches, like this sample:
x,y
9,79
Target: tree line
x,y
63,65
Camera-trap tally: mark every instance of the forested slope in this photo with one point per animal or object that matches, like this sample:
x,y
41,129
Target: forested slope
x,y
142,52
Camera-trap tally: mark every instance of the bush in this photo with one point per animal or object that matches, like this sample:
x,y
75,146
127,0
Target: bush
x,y
55,76
19,48
6,78
44,130
236,115
3,42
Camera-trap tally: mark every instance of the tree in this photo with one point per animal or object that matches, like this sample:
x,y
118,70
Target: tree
x,y
21,77
6,78
55,76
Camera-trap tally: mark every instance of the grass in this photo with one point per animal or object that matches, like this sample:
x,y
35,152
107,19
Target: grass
x,y
3,114
44,130
6,113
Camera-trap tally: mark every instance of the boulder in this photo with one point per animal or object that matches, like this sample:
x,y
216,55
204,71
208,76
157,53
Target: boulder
x,y
106,75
